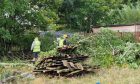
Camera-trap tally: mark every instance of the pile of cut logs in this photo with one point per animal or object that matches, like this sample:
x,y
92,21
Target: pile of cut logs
x,y
64,65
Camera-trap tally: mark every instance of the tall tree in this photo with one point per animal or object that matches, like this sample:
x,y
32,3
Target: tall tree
x,y
82,14
18,17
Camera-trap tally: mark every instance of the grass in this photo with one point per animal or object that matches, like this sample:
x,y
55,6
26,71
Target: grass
x,y
114,75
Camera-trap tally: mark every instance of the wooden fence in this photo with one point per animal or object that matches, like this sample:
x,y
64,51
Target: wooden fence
x,y
135,29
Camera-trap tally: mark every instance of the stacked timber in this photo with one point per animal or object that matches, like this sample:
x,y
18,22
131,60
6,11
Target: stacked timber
x,y
68,49
64,65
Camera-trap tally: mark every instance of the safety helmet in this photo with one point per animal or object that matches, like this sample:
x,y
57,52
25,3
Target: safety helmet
x,y
65,36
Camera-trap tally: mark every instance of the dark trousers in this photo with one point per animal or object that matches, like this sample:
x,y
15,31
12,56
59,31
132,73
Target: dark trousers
x,y
35,54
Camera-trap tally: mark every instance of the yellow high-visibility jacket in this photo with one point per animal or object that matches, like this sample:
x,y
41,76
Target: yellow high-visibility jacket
x,y
61,42
36,45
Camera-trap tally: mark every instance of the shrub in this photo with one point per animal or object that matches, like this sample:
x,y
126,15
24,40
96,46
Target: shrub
x,y
130,14
103,46
48,53
47,42
129,54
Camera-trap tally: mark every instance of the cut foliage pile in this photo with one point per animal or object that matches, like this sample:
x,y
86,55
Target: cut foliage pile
x,y
108,48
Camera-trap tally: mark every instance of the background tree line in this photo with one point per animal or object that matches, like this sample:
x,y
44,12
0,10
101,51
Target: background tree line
x,y
82,14
21,19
